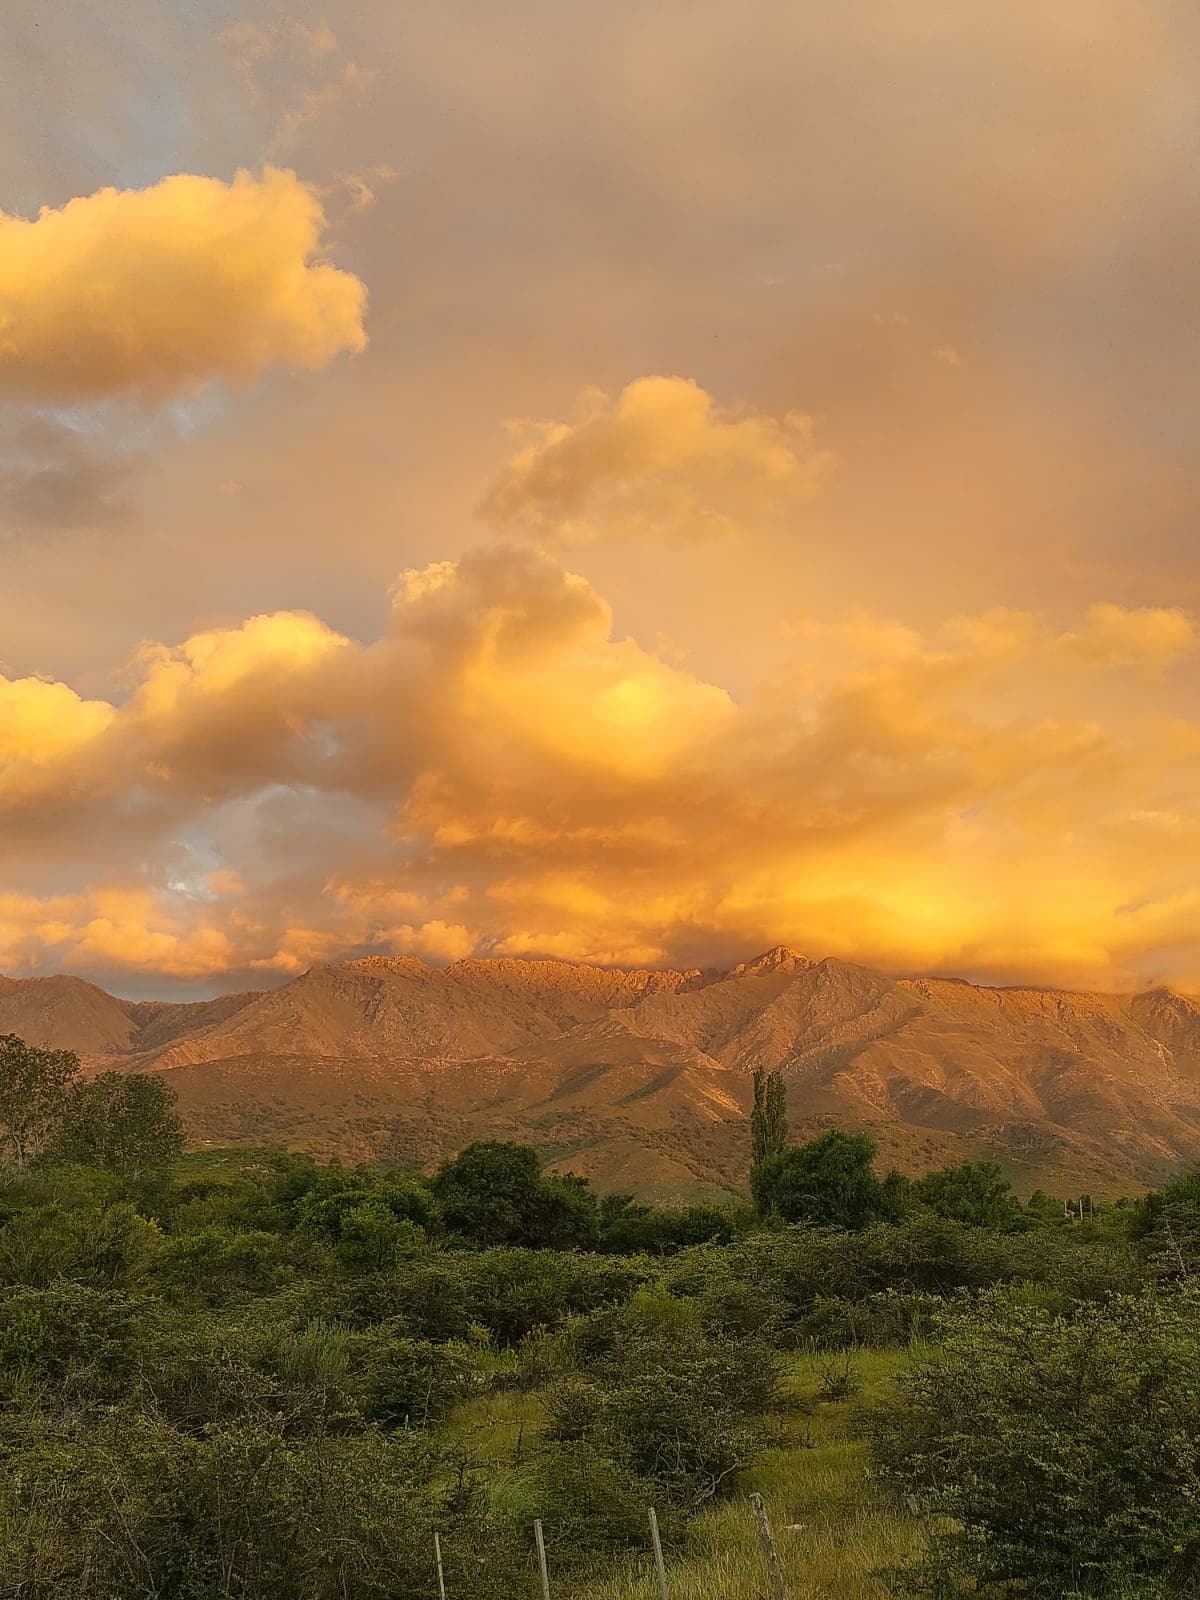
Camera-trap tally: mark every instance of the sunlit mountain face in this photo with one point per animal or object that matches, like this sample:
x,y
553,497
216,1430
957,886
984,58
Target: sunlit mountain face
x,y
644,1077
626,485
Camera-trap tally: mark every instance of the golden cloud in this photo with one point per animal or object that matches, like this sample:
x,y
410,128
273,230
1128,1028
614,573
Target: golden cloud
x,y
159,290
40,721
504,772
114,927
1147,636
662,456
45,730
526,645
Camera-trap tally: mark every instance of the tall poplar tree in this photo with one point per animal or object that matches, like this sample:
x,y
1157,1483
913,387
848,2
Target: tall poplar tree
x,y
768,1120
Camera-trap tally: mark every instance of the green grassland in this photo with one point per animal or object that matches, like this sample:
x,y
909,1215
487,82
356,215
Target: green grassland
x,y
836,1531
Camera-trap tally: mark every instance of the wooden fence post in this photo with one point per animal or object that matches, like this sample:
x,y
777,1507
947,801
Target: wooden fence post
x,y
658,1555
541,1551
770,1550
437,1550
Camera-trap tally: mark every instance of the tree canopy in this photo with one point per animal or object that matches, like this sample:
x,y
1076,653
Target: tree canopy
x,y
830,1182
33,1089
976,1193
496,1193
121,1121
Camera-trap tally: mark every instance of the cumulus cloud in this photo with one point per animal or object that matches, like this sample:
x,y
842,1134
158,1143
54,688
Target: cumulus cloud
x,y
524,647
660,457
44,730
930,782
513,775
159,290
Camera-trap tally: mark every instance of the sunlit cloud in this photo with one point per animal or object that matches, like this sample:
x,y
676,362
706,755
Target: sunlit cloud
x,y
159,290
114,928
972,800
662,457
839,580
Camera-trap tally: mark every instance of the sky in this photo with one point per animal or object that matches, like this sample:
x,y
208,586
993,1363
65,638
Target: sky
x,y
634,484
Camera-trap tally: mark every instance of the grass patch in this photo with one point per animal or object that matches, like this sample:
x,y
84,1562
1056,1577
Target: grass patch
x,y
499,1435
832,1531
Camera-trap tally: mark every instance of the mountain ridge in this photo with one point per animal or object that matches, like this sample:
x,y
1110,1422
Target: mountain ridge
x,y
388,1055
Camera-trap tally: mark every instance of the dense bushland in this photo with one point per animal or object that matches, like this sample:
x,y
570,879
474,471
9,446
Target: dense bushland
x,y
240,1373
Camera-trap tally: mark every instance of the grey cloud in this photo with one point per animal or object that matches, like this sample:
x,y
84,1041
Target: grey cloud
x,y
56,479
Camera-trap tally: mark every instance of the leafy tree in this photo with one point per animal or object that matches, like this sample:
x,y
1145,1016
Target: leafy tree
x,y
830,1182
1043,1207
33,1092
371,1238
323,1209
1165,1224
495,1193
122,1121
977,1194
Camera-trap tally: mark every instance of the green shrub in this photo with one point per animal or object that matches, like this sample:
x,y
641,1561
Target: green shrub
x,y
216,1267
812,1275
593,1506
76,1342
88,1243
1060,1455
322,1209
629,1228
508,1292
669,1403
877,1321
129,1507
308,1378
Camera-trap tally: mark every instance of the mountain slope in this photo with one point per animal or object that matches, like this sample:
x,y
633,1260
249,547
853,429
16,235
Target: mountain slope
x,y
646,1074
66,1013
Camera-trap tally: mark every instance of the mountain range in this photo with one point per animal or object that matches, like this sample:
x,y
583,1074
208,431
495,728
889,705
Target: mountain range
x,y
642,1079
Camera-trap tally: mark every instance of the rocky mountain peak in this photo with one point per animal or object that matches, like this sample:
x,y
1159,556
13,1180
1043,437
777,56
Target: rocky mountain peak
x,y
777,959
